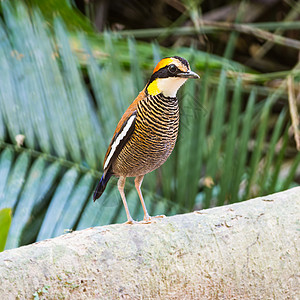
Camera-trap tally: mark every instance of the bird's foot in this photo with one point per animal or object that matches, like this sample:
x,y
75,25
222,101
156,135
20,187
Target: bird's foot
x,y
149,220
130,222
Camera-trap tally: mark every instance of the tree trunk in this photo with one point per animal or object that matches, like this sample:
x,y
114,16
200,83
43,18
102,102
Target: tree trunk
x,y
248,250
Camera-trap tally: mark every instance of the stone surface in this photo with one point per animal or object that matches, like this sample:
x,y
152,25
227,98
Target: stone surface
x,y
248,250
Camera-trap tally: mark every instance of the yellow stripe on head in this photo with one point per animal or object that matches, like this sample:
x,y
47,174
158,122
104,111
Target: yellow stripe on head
x,y
163,63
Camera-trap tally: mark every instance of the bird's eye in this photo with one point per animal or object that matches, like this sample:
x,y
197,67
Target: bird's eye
x,y
172,69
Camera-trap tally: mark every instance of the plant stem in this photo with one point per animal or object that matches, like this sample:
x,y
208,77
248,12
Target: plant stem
x,y
293,110
256,29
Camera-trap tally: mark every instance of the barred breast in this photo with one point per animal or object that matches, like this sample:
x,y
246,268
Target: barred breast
x,y
153,139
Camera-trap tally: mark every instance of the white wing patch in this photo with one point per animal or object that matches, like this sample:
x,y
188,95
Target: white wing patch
x,y
119,138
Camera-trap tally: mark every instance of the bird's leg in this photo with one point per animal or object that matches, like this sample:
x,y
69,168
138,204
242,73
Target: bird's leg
x,y
121,184
138,182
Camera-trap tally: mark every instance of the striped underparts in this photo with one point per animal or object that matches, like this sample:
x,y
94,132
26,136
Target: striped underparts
x,y
152,140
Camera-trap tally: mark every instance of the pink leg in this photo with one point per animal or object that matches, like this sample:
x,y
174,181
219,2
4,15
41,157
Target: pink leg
x,y
138,182
121,184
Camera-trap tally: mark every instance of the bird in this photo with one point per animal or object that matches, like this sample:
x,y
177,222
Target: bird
x,y
146,133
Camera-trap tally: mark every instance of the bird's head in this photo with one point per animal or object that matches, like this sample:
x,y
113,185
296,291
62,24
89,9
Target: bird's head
x,y
169,75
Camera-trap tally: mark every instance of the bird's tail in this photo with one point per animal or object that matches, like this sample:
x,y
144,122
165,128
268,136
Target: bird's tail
x,y
101,186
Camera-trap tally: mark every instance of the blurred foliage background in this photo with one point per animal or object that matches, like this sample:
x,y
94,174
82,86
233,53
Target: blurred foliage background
x,y
69,69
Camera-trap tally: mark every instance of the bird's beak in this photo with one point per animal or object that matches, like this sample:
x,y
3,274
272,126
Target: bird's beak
x,y
188,74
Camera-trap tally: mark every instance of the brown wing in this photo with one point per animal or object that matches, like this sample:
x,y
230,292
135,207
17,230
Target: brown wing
x,y
122,133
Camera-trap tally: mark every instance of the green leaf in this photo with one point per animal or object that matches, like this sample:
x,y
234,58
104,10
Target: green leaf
x,y
68,12
5,220
56,208
26,203
230,148
217,130
104,210
5,167
271,152
15,181
74,206
242,147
